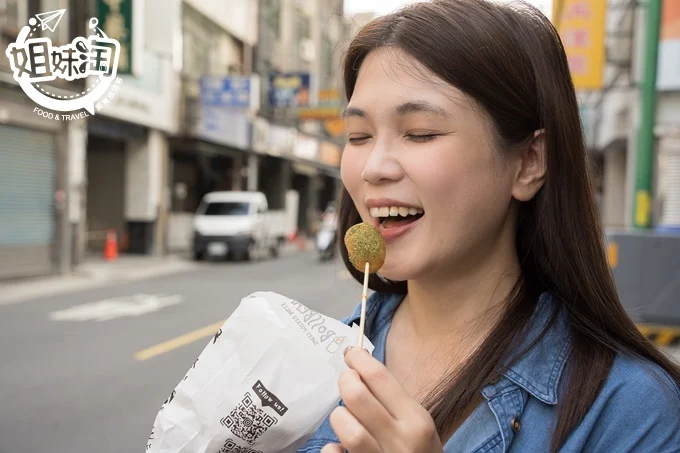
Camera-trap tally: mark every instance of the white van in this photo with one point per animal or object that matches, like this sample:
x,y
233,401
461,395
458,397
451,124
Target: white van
x,y
233,224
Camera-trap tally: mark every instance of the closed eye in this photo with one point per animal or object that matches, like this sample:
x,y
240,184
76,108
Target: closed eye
x,y
421,138
359,140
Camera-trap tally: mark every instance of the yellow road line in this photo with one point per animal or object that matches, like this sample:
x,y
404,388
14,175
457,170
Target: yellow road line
x,y
178,342
659,334
665,337
644,330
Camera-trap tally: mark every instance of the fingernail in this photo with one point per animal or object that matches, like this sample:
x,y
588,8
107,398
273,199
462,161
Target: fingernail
x,y
347,349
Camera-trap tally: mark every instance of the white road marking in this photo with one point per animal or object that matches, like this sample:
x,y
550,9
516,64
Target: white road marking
x,y
108,309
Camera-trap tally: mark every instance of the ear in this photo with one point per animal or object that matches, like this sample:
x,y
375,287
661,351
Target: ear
x,y
531,168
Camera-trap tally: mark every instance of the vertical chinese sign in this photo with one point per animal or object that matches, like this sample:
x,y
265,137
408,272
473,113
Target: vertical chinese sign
x,y
581,24
115,18
669,47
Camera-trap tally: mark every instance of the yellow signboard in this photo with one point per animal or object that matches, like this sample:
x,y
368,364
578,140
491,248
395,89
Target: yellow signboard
x,y
335,127
319,113
581,24
329,95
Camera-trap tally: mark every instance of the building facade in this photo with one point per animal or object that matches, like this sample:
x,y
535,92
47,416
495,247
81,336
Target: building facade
x,y
238,95
297,137
612,115
36,213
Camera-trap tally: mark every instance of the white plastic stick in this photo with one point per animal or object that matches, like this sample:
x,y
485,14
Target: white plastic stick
x,y
364,296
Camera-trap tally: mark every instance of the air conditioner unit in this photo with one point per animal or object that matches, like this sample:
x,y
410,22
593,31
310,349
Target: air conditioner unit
x,y
307,50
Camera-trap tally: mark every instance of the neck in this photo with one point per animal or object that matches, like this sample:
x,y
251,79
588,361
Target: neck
x,y
468,302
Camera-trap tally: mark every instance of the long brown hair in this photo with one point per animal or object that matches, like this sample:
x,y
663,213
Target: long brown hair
x,y
510,60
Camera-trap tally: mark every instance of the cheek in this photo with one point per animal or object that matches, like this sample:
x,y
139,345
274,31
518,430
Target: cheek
x,y
351,166
460,182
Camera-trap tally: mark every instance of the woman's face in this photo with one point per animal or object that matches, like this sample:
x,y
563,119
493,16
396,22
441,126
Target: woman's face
x,y
418,145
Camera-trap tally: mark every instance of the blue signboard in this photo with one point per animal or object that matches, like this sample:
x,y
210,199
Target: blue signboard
x,y
289,90
224,126
232,91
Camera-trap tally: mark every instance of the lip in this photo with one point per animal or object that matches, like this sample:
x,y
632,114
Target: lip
x,y
390,234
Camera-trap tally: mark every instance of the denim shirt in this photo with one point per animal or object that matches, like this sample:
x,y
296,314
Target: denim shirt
x,y
637,409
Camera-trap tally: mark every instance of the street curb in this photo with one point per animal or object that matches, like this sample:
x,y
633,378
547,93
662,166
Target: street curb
x,y
80,280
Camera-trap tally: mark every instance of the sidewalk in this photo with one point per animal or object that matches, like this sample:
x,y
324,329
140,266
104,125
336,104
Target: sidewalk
x,y
96,272
93,273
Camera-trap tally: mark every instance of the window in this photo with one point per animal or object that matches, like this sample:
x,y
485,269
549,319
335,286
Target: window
x,y
302,26
226,208
272,12
9,14
327,58
197,45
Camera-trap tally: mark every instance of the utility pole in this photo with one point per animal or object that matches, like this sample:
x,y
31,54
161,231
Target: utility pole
x,y
642,201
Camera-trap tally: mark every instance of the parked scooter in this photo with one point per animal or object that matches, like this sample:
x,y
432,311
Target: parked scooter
x,y
326,238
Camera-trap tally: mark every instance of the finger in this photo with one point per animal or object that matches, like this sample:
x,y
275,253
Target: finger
x,y
364,406
382,384
332,448
351,434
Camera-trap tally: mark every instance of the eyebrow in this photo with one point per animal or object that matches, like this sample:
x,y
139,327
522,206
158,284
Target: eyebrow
x,y
354,111
404,109
421,107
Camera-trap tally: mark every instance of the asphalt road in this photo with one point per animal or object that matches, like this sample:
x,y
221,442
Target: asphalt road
x,y
70,382
91,379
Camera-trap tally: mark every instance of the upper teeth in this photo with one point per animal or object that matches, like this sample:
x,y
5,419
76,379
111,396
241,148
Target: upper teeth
x,y
395,211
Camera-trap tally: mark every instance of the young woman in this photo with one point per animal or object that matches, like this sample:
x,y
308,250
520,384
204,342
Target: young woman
x,y
495,319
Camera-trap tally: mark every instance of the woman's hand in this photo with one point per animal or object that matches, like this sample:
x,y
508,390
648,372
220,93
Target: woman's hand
x,y
379,417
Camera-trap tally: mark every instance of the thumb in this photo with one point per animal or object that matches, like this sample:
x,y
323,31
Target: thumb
x,y
332,448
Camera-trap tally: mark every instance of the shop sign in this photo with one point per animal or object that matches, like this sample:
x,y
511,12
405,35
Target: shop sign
x,y
221,126
260,138
281,140
289,90
581,24
329,154
306,147
231,91
115,17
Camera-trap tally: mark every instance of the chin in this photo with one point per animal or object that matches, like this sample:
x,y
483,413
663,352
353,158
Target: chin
x,y
397,272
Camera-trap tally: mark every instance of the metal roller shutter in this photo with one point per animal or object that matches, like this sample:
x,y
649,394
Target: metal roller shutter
x,y
27,217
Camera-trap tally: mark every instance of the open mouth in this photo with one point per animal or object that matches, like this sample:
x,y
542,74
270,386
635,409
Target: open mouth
x,y
396,216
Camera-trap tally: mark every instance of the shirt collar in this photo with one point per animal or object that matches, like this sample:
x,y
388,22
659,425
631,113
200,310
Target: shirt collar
x,y
380,308
538,370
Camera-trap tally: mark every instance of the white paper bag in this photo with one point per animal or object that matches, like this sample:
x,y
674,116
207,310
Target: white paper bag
x,y
264,383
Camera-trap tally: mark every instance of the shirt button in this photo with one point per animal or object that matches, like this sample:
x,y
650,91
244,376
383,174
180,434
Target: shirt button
x,y
515,424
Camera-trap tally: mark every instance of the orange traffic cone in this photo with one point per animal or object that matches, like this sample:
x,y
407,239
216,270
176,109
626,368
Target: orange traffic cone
x,y
302,242
111,246
292,237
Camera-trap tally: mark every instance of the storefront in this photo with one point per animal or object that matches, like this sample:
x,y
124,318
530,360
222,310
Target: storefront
x,y
110,156
28,218
130,136
273,146
210,155
329,169
306,181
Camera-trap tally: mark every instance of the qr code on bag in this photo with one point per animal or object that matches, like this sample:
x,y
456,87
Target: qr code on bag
x,y
247,421
231,447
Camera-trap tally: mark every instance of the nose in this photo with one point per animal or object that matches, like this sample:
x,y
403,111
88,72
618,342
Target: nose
x,y
381,165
